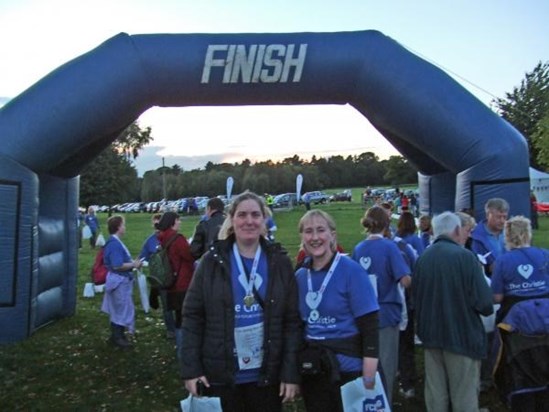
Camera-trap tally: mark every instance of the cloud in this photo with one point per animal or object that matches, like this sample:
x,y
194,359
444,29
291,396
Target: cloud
x,y
150,158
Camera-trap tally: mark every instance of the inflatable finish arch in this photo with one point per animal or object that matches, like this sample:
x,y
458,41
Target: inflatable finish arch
x,y
465,153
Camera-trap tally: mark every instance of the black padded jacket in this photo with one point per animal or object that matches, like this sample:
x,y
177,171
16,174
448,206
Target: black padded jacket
x,y
209,319
206,233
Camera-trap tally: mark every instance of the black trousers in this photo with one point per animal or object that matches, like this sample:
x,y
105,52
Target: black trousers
x,y
530,402
247,397
406,355
320,394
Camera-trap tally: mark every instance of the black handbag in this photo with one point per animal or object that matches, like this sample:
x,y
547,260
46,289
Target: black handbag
x,y
315,359
310,360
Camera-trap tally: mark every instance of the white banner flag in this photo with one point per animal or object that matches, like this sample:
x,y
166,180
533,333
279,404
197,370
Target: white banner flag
x,y
230,182
298,185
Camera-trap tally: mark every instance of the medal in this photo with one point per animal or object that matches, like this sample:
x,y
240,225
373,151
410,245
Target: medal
x,y
249,301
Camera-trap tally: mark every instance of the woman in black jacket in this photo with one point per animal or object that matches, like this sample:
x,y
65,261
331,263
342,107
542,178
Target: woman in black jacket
x,y
241,326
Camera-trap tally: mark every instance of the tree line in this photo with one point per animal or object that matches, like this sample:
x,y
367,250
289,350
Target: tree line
x,y
111,178
319,173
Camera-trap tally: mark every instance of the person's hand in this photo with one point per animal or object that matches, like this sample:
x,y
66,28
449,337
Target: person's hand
x,y
369,382
137,263
369,370
191,385
288,391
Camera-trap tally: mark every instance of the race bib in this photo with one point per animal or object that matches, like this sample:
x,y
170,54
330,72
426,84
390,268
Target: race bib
x,y
249,346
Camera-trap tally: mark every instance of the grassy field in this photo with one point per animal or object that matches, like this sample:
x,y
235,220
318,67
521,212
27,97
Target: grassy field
x,y
69,366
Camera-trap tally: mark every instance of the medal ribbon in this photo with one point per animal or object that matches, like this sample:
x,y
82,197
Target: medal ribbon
x,y
255,264
324,283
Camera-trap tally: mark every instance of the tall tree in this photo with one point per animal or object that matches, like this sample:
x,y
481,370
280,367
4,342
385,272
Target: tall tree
x,y
108,180
132,139
398,170
527,104
541,141
112,178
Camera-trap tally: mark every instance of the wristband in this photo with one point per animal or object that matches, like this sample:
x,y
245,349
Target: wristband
x,y
369,379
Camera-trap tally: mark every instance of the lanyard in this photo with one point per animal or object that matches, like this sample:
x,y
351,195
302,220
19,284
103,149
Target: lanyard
x,y
123,245
313,299
251,279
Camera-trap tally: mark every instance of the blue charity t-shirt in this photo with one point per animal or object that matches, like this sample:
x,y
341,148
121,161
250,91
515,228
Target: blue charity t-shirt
x,y
149,247
497,243
382,258
416,242
245,316
116,254
348,295
522,272
92,222
484,242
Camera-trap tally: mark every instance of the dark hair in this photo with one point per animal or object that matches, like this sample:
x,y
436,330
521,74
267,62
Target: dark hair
x,y
386,205
167,220
216,203
114,223
406,224
375,220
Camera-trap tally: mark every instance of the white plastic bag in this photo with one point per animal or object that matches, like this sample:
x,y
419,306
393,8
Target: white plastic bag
x,y
88,290
100,241
202,404
99,288
404,311
489,322
86,232
143,291
356,398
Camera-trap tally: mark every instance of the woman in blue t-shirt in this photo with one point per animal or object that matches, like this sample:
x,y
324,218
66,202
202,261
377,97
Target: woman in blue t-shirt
x,y
241,326
338,306
519,275
91,220
382,259
117,301
523,272
406,229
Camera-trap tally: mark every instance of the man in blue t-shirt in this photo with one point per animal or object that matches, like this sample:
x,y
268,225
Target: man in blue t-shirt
x,y
487,237
488,243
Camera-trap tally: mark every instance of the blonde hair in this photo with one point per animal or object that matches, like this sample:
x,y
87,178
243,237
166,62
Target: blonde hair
x,y
425,223
518,232
310,215
227,228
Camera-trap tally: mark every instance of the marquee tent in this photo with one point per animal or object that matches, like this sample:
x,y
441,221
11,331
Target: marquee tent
x,y
539,184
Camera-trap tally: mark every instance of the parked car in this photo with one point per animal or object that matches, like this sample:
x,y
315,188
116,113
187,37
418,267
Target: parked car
x,y
316,197
345,196
285,200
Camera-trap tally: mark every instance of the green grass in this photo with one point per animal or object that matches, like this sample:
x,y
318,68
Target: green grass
x,y
69,366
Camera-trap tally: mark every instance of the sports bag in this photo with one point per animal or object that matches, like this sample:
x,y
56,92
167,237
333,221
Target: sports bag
x,y
161,274
99,270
